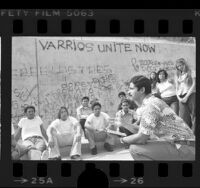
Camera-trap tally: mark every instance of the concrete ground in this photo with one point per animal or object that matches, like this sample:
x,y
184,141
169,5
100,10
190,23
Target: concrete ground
x,y
119,153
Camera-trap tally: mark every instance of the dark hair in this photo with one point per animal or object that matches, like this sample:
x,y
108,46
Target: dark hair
x,y
125,101
141,81
87,98
121,93
26,108
165,72
59,112
96,104
153,81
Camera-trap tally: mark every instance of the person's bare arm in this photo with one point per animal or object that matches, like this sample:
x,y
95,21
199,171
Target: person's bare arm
x,y
18,134
138,138
88,126
13,141
190,91
44,132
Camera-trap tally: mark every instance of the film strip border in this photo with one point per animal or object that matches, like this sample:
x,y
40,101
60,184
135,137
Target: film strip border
x,y
104,23
105,174
42,26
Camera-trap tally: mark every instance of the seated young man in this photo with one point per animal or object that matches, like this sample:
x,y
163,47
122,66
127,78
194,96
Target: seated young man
x,y
125,119
17,150
162,134
64,131
83,112
122,96
95,126
32,132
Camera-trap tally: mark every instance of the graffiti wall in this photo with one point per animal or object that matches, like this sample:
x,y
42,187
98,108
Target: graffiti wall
x,y
53,72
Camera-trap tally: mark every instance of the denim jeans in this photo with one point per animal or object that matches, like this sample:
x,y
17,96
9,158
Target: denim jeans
x,y
187,111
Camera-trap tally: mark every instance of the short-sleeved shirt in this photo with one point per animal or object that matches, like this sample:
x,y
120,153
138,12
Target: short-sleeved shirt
x,y
83,112
64,127
159,121
99,122
126,119
166,89
30,127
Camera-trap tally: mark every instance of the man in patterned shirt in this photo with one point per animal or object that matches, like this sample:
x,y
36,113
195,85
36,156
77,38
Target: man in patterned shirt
x,y
125,118
162,135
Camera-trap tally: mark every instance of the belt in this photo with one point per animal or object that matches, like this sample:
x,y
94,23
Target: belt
x,y
185,142
34,137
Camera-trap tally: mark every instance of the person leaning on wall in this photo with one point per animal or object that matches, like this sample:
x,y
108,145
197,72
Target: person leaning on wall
x,y
186,92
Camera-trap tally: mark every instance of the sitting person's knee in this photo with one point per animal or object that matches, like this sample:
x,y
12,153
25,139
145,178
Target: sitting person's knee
x,y
41,146
134,149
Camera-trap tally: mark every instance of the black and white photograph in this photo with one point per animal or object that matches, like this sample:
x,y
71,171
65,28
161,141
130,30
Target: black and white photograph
x,y
103,98
0,97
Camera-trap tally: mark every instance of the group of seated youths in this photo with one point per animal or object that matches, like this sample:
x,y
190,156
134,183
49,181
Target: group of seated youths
x,y
150,119
68,131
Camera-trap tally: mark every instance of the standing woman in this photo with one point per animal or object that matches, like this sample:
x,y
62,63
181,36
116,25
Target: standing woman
x,y
186,92
167,90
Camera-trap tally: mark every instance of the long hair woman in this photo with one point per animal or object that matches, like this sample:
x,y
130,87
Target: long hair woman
x,y
186,92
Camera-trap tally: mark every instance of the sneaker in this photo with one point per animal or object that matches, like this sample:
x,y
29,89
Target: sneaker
x,y
108,147
76,157
94,150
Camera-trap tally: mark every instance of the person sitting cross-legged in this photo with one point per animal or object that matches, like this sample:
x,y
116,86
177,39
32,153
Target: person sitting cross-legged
x,y
64,131
95,126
